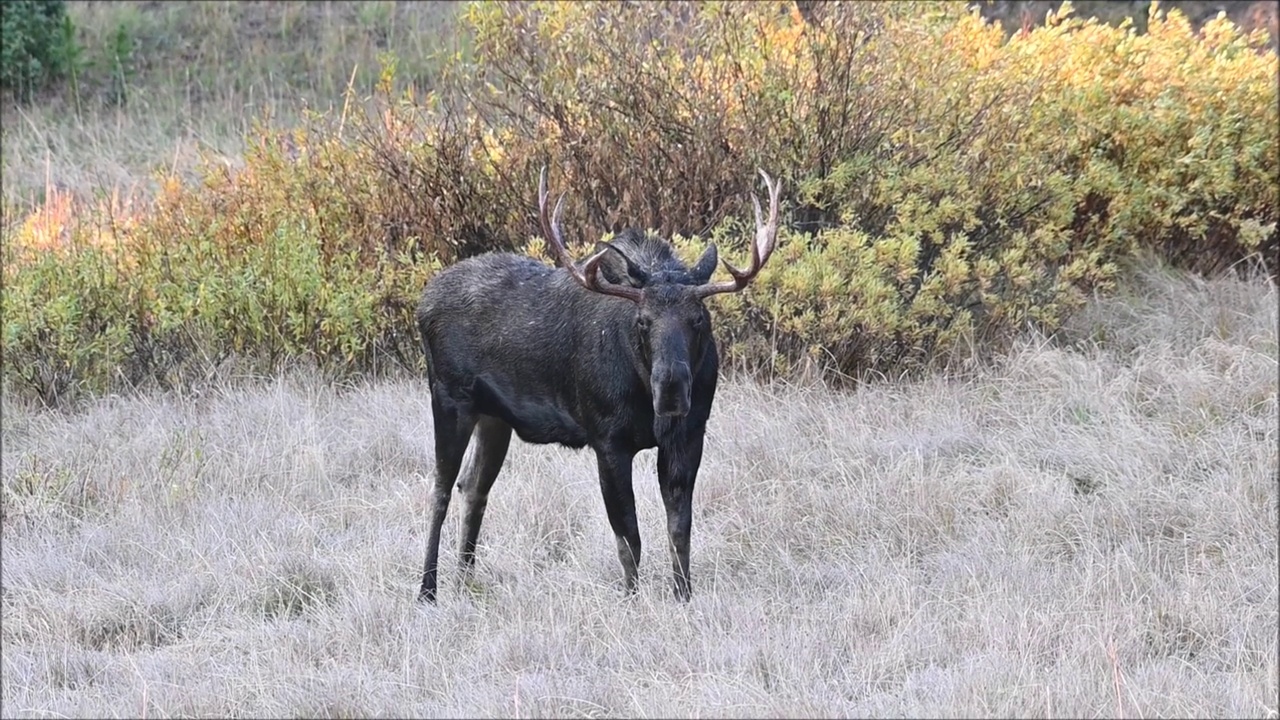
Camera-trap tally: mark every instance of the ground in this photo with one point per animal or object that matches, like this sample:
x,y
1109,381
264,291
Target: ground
x,y
1086,527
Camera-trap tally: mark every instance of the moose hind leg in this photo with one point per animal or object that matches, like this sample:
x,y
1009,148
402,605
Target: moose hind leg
x,y
453,424
491,439
620,503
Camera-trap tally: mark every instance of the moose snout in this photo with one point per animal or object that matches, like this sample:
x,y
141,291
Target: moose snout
x,y
671,393
675,404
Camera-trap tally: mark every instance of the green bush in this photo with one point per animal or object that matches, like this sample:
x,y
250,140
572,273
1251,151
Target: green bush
x,y
949,185
37,44
946,187
155,312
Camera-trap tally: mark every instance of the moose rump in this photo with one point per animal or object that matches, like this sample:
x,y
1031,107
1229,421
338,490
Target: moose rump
x,y
616,353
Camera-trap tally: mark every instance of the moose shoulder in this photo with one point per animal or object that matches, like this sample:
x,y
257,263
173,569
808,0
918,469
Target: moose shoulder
x,y
616,353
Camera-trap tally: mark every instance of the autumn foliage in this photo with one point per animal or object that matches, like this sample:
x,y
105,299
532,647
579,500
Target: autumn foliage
x,y
946,187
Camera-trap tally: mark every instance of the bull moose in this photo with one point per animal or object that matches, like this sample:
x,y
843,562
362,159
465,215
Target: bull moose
x,y
616,353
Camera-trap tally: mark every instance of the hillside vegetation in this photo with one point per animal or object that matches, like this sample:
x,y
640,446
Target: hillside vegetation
x,y
948,186
164,87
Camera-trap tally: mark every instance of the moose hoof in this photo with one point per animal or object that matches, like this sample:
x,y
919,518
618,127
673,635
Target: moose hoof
x,y
683,591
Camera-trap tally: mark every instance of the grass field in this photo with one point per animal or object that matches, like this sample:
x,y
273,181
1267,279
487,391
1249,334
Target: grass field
x,y
1070,532
1086,527
162,84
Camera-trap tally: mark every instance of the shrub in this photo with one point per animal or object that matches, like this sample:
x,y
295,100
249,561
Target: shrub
x,y
37,44
95,308
951,185
1170,136
946,187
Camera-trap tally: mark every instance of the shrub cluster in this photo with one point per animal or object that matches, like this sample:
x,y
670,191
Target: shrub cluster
x,y
946,186
239,267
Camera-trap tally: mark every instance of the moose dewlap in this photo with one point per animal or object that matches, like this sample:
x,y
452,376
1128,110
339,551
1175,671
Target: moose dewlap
x,y
615,353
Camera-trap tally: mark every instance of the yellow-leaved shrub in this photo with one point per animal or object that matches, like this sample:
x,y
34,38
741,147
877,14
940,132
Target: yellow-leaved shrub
x,y
946,187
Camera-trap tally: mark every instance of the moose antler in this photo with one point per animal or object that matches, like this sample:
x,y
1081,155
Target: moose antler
x,y
761,249
589,274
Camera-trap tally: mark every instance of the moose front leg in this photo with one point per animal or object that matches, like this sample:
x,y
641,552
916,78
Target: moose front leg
x,y
620,503
677,471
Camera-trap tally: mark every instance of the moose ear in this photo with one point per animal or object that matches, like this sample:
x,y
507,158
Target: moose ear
x,y
706,265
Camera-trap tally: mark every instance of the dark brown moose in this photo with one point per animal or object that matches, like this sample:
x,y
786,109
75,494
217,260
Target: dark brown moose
x,y
615,353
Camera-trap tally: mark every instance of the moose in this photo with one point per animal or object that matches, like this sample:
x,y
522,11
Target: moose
x,y
616,353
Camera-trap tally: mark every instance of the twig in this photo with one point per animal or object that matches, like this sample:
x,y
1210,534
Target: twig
x,y
346,99
1116,675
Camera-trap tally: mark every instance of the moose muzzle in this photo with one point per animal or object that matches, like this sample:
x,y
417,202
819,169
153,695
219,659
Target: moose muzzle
x,y
671,391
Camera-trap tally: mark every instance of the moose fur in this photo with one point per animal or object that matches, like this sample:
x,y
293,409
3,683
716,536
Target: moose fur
x,y
559,356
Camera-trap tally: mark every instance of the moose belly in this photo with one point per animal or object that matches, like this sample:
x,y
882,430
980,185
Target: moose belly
x,y
535,417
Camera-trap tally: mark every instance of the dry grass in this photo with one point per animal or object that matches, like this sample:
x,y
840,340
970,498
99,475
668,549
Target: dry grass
x,y
163,83
1086,529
